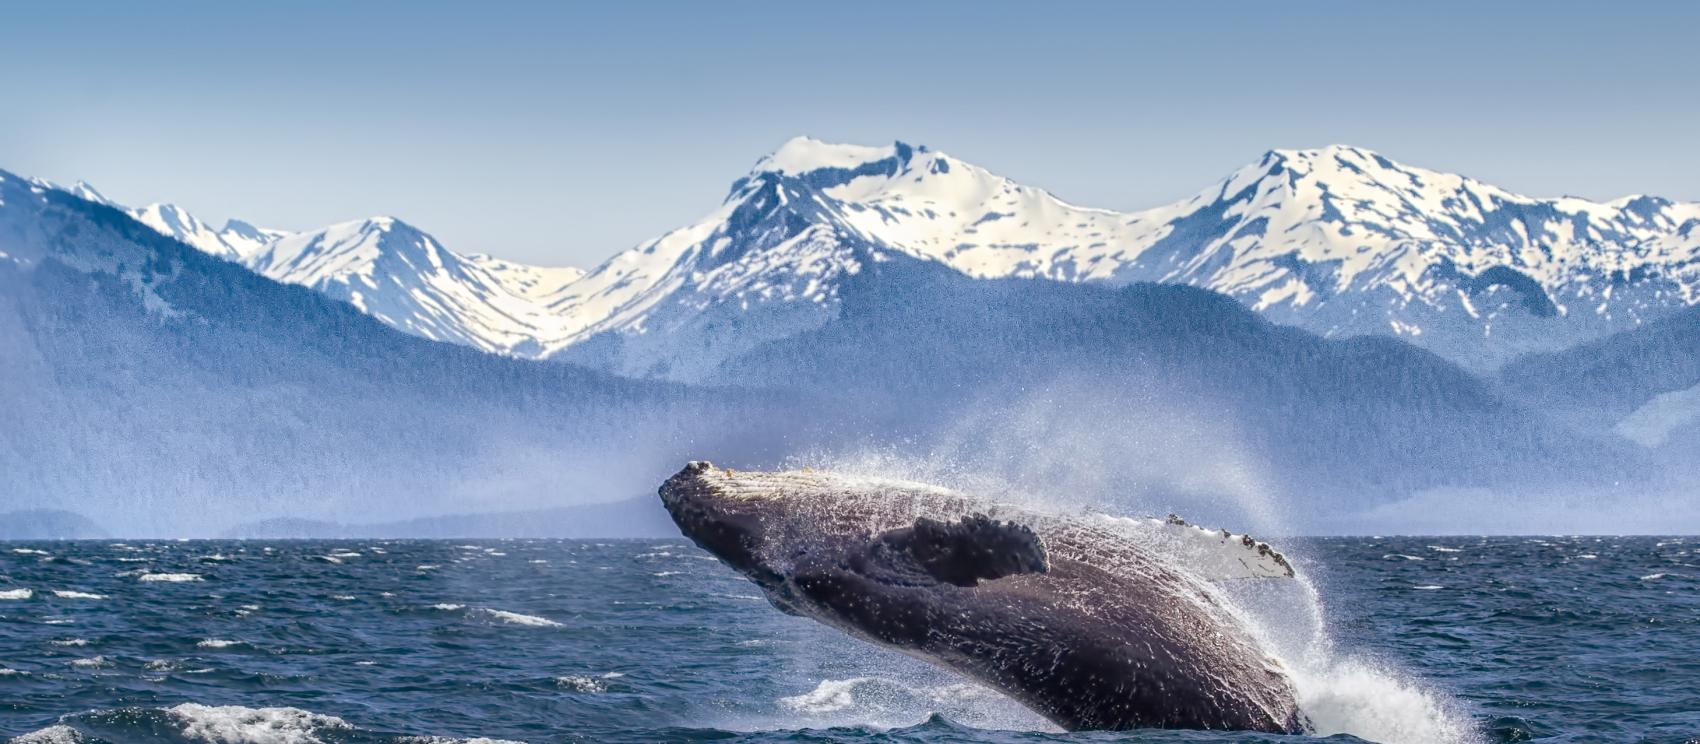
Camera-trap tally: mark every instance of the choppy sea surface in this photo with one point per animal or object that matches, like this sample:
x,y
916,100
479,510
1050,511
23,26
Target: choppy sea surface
x,y
1389,639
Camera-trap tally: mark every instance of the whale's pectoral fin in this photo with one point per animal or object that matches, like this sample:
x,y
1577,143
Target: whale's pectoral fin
x,y
965,552
1212,555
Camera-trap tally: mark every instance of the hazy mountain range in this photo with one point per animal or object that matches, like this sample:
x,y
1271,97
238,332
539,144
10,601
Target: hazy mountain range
x,y
1339,241
885,309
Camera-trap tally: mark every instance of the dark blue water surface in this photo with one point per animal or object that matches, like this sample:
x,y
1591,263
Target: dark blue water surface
x,y
1421,639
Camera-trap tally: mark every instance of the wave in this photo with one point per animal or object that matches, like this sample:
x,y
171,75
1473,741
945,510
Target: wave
x,y
217,643
171,578
68,594
515,618
896,698
218,724
17,594
582,683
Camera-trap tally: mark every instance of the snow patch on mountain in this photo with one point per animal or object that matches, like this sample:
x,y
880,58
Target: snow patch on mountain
x,y
404,277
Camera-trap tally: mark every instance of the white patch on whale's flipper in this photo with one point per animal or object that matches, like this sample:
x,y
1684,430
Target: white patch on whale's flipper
x,y
1212,555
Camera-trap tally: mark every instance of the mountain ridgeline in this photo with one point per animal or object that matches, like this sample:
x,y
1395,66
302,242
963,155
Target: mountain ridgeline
x,y
1337,240
162,390
891,309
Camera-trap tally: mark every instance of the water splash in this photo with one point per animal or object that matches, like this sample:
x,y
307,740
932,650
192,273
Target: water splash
x,y
1340,691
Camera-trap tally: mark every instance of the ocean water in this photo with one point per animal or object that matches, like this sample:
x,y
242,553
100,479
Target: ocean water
x,y
1389,639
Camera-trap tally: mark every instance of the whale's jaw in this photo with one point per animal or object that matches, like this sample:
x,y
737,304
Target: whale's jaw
x,y
717,522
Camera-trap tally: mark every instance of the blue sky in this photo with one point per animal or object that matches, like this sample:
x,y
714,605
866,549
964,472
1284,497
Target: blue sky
x,y
559,134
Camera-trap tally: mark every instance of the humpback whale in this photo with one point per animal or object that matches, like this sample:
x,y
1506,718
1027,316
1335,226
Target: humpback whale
x,y
1092,621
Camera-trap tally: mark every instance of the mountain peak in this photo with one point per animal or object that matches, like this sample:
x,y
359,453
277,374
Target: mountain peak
x,y
85,190
800,155
1333,156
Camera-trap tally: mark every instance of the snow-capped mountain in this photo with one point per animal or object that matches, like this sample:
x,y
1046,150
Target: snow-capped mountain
x,y
390,270
236,241
404,277
173,392
1339,241
1342,241
177,374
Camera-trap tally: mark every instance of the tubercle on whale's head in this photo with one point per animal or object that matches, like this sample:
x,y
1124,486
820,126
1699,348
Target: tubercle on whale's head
x,y
731,527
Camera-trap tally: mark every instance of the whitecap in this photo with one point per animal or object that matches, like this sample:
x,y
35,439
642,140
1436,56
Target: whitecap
x,y
30,551
1427,587
1400,556
828,696
516,618
17,594
68,594
448,606
1654,577
55,734
169,577
90,663
238,724
217,643
666,573
580,683
1444,549
70,642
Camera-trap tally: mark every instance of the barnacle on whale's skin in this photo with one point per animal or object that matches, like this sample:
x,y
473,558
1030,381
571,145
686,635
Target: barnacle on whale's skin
x,y
1095,623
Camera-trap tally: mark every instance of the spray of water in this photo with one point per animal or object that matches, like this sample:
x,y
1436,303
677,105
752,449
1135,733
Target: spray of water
x,y
1045,453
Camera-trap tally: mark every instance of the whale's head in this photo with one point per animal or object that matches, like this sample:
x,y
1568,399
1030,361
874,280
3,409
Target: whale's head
x,y
735,525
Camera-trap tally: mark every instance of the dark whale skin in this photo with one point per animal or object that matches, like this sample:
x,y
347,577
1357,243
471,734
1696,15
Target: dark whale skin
x,y
1081,625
